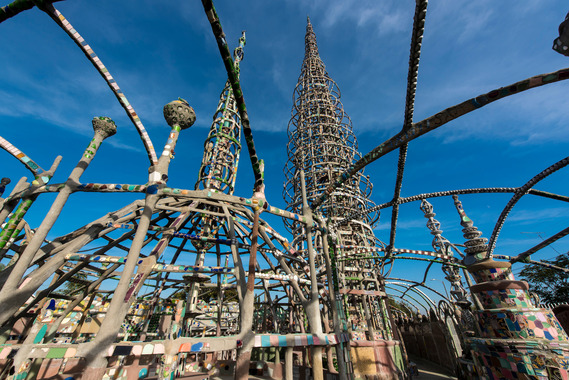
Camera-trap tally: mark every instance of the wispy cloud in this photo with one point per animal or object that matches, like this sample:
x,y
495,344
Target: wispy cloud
x,y
530,216
279,79
382,17
121,145
519,120
469,19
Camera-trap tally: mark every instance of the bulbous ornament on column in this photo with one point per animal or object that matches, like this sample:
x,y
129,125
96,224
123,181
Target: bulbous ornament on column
x,y
179,112
104,126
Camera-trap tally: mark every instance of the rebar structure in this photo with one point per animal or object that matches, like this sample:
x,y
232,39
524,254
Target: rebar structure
x,y
223,144
196,282
321,146
195,241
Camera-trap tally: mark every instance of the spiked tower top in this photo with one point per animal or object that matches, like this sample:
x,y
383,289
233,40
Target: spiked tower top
x,y
476,246
321,141
223,144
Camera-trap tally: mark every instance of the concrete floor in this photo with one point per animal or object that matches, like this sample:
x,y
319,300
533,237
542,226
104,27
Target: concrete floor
x,y
429,370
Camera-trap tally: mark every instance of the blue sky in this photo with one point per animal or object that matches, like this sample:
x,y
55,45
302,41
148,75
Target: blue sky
x,y
158,51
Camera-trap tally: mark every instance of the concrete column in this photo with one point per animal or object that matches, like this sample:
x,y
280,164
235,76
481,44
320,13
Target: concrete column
x,y
9,204
312,306
338,328
103,127
247,307
179,115
289,363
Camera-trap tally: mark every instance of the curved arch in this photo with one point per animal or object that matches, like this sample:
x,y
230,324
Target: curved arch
x,y
433,122
417,302
415,55
422,285
517,196
104,72
436,194
529,261
417,291
429,260
524,255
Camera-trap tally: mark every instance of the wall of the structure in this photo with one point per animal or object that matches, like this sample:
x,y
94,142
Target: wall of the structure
x,y
429,340
378,359
562,314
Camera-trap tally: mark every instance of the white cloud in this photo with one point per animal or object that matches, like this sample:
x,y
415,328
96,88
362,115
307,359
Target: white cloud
x,y
530,216
535,117
120,145
383,17
468,19
474,25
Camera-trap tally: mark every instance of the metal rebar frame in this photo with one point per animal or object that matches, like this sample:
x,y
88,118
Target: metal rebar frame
x,y
166,255
321,146
181,273
223,144
322,143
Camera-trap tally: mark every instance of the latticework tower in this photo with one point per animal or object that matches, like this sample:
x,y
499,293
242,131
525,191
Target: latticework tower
x,y
322,144
222,146
197,283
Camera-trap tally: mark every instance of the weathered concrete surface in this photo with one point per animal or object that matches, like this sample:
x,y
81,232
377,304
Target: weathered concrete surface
x,y
429,370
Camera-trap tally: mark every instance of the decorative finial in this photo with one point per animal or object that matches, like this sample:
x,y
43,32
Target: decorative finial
x,y
476,246
104,126
440,244
239,52
179,112
465,221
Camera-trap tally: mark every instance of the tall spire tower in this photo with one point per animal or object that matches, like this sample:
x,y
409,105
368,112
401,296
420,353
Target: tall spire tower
x,y
322,144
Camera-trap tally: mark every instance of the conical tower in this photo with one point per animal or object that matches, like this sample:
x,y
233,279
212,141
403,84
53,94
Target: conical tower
x,y
322,144
222,146
321,141
518,340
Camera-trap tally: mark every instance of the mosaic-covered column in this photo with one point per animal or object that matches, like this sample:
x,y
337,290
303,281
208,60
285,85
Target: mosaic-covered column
x,y
518,340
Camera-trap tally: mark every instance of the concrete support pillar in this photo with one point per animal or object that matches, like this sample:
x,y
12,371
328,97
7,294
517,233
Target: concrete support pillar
x,y
8,206
21,361
312,306
338,325
167,369
246,309
103,127
179,115
289,363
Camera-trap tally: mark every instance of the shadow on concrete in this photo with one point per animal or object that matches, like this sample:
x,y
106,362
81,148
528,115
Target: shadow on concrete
x,y
429,370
